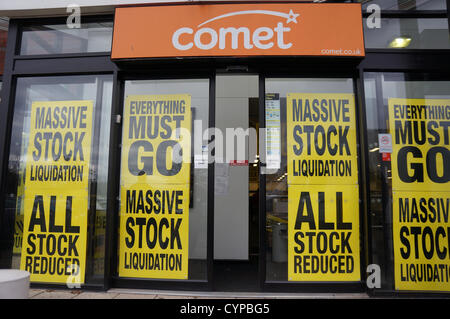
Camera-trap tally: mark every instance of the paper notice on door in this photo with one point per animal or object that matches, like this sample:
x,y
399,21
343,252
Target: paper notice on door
x,y
201,160
221,185
385,143
273,131
222,169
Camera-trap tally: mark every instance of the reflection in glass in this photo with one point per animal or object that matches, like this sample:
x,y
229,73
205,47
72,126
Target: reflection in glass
x,y
406,4
408,34
58,38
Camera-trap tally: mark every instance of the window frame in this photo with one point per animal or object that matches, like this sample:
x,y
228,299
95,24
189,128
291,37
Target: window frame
x,y
149,283
17,66
411,14
57,21
321,286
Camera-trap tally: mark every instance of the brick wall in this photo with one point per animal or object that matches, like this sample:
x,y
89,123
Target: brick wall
x,y
3,35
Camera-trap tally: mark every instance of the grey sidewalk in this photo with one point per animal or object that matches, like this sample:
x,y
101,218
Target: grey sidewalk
x,y
153,294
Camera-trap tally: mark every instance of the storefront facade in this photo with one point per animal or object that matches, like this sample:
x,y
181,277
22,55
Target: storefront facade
x,y
245,146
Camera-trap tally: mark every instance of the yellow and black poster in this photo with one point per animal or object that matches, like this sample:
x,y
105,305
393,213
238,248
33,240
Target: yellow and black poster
x,y
18,233
321,137
421,193
323,233
323,193
155,175
56,191
18,223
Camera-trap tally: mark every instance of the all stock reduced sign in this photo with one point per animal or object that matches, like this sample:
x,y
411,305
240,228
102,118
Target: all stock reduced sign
x,y
155,175
323,193
421,193
56,191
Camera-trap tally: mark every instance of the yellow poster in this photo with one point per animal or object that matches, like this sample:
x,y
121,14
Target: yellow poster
x,y
420,191
18,233
154,231
18,223
156,140
420,143
155,177
321,139
421,240
56,191
323,230
323,196
99,237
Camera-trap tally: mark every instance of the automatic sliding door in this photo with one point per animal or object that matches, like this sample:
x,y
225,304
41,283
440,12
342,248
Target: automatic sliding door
x,y
163,196
312,200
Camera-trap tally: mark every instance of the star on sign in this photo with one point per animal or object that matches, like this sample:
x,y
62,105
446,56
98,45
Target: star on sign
x,y
292,17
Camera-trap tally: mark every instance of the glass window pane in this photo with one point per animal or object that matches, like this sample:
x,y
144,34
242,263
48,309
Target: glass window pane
x,y
61,90
408,34
419,90
276,182
3,38
98,244
58,38
406,4
150,166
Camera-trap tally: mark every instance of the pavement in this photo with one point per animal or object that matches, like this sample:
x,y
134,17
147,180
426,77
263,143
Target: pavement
x,y
158,294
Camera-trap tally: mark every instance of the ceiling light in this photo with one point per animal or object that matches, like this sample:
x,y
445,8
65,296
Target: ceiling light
x,y
400,42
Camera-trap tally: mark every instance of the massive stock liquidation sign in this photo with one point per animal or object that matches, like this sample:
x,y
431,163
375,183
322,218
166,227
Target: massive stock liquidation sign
x,y
56,191
421,193
323,193
238,30
155,175
321,139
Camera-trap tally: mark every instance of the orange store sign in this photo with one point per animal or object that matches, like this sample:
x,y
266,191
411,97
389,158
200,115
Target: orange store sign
x,y
238,30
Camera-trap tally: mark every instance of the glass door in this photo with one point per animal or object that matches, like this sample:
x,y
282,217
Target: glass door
x,y
409,183
163,211
285,211
236,191
312,211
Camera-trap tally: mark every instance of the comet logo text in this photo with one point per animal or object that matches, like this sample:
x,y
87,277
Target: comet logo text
x,y
205,37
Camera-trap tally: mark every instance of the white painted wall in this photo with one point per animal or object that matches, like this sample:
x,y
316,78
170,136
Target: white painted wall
x,y
231,206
